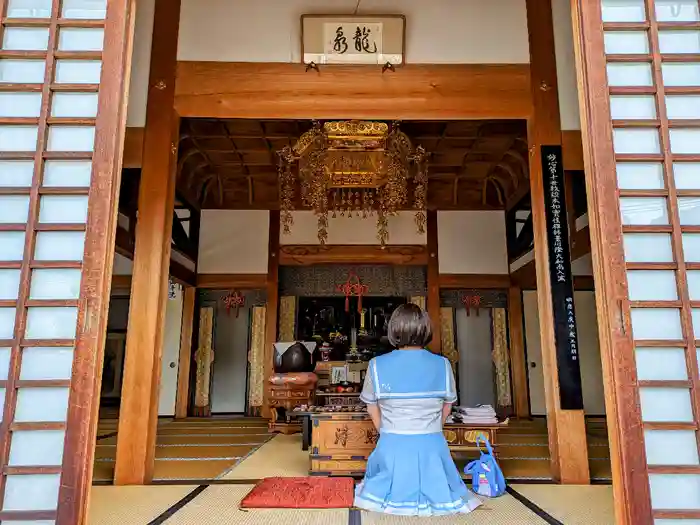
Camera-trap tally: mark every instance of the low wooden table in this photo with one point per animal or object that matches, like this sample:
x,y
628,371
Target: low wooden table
x,y
341,442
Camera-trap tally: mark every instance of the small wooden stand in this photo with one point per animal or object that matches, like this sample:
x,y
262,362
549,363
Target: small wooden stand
x,y
288,397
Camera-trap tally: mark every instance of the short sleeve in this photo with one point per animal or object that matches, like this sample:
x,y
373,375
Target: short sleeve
x,y
369,394
451,396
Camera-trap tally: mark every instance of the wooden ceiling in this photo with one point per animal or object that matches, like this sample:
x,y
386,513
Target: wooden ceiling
x,y
232,163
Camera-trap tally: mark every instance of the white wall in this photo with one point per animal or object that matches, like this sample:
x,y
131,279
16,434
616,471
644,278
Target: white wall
x,y
472,242
140,63
122,265
566,65
233,241
171,354
589,353
353,230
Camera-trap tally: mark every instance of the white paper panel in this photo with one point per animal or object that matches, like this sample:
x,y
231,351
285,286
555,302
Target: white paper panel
x,y
51,322
71,138
671,447
9,284
676,10
32,492
74,105
640,175
46,363
22,71
686,175
14,209
631,140
5,354
78,71
666,522
679,41
689,211
680,75
695,315
644,210
623,11
29,9
59,246
2,403
652,285
20,105
55,284
665,405
18,138
16,173
11,246
693,278
626,43
683,106
656,323
63,209
648,247
684,141
691,247
80,39
675,491
67,173
37,448
622,74
38,405
632,107
7,322
84,9
25,39
661,364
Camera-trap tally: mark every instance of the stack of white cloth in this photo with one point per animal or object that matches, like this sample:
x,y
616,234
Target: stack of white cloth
x,y
478,415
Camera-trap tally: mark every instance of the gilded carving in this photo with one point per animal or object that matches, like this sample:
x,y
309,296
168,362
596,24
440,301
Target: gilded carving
x,y
470,436
204,358
450,436
255,357
287,315
500,355
447,337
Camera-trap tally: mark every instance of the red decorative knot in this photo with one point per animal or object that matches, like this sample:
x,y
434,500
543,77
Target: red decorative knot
x,y
234,299
353,287
471,301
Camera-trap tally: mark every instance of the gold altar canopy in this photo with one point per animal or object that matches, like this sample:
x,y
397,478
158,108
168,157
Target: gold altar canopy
x,y
353,168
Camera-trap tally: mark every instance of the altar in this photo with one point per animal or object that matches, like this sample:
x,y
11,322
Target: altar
x,y
341,442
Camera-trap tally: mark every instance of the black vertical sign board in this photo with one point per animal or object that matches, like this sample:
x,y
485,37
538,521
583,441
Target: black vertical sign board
x,y
565,337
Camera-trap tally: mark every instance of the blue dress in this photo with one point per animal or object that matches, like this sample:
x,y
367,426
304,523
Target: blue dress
x,y
411,471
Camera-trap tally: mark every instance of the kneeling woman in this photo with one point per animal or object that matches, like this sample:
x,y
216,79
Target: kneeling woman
x,y
409,393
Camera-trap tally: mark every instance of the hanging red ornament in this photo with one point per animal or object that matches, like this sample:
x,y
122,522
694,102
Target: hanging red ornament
x,y
234,299
471,301
353,287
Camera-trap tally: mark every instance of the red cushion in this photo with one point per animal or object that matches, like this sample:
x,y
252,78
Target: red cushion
x,y
301,493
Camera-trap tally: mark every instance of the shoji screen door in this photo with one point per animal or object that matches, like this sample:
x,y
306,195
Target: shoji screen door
x,y
639,72
62,66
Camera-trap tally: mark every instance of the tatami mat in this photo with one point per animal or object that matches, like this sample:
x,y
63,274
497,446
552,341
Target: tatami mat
x,y
505,510
281,456
132,505
573,504
218,505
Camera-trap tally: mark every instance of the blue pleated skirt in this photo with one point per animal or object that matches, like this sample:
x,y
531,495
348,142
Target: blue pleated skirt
x,y
413,475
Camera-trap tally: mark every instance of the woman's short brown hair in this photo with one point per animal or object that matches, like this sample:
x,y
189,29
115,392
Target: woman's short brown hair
x,y
410,326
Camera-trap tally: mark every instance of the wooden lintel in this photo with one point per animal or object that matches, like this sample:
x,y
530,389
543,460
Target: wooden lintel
x,y
300,255
232,281
133,148
121,282
415,91
525,277
467,281
433,278
185,357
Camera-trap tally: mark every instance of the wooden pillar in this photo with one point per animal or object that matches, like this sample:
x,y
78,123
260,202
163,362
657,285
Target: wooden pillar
x,y
272,303
185,361
433,278
566,428
138,416
518,360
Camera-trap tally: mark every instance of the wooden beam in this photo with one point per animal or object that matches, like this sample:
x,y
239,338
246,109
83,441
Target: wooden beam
x,y
414,91
518,359
301,255
133,148
566,428
140,388
467,281
433,299
272,303
121,282
572,149
185,360
228,281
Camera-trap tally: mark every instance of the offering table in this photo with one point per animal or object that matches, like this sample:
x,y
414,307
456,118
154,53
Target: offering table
x,y
341,442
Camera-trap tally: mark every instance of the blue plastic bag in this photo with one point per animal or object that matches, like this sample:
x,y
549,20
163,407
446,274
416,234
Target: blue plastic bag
x,y
487,477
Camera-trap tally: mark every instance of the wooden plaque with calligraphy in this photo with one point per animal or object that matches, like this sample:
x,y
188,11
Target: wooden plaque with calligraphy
x,y
566,339
353,39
